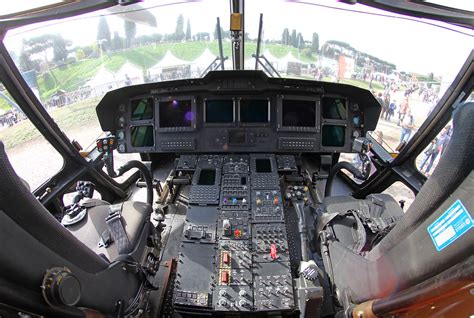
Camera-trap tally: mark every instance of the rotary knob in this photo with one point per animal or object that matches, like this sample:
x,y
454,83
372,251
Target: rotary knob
x,y
242,293
223,302
243,303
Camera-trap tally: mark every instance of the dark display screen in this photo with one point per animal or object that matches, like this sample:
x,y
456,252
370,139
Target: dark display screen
x,y
263,165
333,136
142,136
142,109
237,137
254,111
298,113
207,177
176,113
334,108
220,111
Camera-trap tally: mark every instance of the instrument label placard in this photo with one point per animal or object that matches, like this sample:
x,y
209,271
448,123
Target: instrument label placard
x,y
450,226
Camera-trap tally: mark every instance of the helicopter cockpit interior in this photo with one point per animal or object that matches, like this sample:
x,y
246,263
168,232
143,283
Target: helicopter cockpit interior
x,y
238,206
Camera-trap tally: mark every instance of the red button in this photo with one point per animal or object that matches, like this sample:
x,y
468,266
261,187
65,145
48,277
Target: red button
x,y
237,233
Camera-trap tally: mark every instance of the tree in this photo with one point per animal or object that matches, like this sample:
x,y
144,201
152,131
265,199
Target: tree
x,y
315,43
285,37
42,45
26,64
60,48
103,33
293,39
202,36
117,42
80,54
179,31
300,41
130,32
188,31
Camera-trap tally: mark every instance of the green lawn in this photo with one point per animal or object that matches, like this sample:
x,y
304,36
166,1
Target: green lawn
x,y
75,75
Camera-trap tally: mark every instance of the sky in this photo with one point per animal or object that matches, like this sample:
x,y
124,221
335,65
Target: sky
x,y
411,45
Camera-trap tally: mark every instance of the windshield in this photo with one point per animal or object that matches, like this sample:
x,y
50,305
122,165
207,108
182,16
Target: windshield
x,y
71,63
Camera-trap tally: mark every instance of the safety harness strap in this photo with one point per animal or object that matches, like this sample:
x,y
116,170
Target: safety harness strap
x,y
117,230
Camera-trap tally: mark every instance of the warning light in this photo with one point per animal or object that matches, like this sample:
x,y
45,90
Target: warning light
x,y
237,233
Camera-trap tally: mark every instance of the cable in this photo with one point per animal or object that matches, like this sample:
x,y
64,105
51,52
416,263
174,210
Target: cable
x,y
146,174
338,167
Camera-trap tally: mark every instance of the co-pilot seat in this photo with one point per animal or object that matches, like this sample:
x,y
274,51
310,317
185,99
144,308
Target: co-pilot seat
x,y
94,232
400,253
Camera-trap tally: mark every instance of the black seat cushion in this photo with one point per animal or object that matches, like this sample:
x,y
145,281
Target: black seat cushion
x,y
89,231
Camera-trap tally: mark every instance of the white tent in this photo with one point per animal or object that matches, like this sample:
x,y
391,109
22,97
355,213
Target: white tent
x,y
286,60
249,64
130,70
289,58
269,56
169,61
204,60
102,77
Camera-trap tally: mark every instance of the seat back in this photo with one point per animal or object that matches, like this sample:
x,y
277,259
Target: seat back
x,y
407,255
29,214
453,167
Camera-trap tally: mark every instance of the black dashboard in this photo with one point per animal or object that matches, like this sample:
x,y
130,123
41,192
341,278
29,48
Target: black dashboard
x,y
238,111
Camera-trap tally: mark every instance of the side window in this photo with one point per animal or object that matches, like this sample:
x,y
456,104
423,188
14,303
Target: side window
x,y
401,193
428,159
32,157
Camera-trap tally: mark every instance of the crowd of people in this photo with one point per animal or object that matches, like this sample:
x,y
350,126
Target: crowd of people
x,y
401,113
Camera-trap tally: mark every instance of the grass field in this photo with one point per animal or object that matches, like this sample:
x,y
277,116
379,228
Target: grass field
x,y
69,117
75,75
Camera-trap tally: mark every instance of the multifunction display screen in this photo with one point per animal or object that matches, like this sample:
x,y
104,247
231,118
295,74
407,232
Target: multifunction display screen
x,y
334,108
219,111
263,165
142,136
141,109
254,111
333,136
207,177
298,113
175,113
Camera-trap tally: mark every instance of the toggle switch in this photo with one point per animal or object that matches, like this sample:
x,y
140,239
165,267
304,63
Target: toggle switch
x,y
226,258
225,277
273,252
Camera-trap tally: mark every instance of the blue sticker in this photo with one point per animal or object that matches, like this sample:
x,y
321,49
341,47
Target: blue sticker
x,y
450,226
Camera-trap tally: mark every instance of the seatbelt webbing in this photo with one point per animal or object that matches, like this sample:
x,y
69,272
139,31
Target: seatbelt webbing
x,y
117,230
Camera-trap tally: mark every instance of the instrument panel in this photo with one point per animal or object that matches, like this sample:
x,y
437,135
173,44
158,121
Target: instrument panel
x,y
238,111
